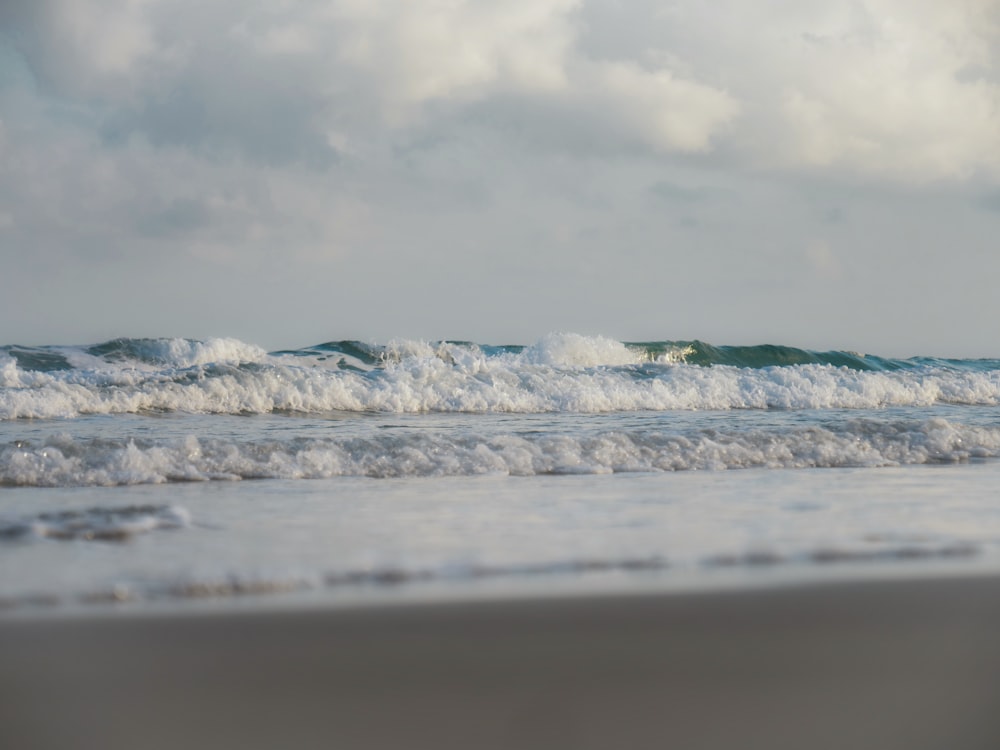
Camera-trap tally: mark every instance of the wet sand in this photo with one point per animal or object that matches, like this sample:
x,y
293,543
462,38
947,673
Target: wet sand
x,y
906,664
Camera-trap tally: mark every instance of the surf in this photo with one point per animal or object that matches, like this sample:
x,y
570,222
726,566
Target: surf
x,y
559,373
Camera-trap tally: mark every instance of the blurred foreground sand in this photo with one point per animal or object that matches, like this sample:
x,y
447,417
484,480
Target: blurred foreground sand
x,y
905,664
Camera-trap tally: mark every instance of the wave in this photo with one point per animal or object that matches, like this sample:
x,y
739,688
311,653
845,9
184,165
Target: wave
x,y
557,349
68,461
560,373
145,353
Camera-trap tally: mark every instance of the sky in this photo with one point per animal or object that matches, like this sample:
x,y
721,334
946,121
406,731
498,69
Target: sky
x,y
817,174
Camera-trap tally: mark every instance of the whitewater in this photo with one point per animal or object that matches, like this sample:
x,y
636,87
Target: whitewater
x,y
559,374
438,469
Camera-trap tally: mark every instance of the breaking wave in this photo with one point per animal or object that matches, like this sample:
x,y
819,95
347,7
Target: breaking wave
x,y
67,461
560,373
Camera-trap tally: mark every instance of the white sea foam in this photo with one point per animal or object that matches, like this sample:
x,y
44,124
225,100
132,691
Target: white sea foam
x,y
574,350
187,352
10,375
561,373
65,461
481,385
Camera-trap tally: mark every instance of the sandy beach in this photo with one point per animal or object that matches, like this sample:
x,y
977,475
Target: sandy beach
x,y
905,664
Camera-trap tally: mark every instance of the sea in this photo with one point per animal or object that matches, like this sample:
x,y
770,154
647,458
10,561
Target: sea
x,y
154,475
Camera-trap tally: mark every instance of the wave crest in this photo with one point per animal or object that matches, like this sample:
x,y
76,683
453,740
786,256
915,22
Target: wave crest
x,y
560,373
176,352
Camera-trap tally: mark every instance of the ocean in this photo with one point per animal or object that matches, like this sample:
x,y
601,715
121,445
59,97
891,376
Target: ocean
x,y
149,474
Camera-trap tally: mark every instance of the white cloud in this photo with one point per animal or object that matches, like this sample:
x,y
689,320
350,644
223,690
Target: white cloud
x,y
84,47
897,90
110,37
901,91
418,52
669,113
891,89
356,67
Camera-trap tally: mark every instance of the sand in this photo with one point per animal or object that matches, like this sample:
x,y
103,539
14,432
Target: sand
x,y
885,665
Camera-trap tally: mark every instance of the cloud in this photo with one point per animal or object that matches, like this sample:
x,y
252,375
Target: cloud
x,y
358,136
901,91
897,90
443,53
669,113
89,48
420,52
324,75
236,127
887,89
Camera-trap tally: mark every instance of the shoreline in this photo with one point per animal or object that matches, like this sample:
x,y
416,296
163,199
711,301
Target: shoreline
x,y
909,663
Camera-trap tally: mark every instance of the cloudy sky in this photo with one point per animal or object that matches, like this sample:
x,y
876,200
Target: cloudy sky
x,y
784,171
